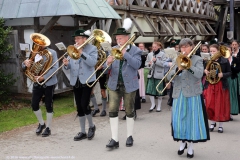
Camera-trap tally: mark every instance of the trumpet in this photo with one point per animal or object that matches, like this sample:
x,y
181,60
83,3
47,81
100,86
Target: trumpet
x,y
117,54
182,61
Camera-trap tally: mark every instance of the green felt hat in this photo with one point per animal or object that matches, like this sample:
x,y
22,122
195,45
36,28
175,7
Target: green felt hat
x,y
173,44
177,41
80,32
213,42
121,31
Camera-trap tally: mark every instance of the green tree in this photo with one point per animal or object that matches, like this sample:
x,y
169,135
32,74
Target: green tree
x,y
6,79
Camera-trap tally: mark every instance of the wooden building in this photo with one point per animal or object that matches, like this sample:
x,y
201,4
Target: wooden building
x,y
58,19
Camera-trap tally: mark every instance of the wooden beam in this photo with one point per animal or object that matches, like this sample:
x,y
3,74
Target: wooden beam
x,y
194,26
36,24
181,28
170,27
52,21
150,24
165,27
92,21
137,26
222,26
107,25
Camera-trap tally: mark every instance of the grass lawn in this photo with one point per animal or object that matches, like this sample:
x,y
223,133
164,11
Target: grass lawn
x,y
15,118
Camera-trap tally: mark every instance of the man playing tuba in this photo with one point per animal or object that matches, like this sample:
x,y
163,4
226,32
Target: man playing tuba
x,y
43,54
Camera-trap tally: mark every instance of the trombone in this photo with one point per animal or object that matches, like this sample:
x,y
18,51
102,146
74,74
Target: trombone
x,y
117,54
183,61
73,53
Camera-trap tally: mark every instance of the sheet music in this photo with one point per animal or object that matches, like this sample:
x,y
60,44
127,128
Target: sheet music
x,y
24,46
61,46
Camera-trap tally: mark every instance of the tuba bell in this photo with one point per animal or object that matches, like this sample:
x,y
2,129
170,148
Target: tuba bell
x,y
38,48
214,67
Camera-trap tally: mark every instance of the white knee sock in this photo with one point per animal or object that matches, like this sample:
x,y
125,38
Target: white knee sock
x,y
49,120
190,148
159,103
39,116
152,101
182,146
130,125
220,125
114,128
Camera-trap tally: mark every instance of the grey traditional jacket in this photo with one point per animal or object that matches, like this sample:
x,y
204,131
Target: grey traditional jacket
x,y
53,79
130,68
83,67
157,68
188,81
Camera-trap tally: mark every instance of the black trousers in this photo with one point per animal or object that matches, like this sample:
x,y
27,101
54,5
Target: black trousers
x,y
37,93
82,95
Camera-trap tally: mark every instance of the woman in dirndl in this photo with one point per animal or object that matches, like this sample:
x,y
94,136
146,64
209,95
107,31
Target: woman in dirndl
x,y
217,99
189,118
234,85
155,60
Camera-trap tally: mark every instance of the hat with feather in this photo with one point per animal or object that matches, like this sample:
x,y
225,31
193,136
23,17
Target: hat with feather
x,y
82,32
127,23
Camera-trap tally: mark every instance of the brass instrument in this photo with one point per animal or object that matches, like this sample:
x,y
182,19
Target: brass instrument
x,y
102,37
117,54
214,67
37,68
181,61
73,52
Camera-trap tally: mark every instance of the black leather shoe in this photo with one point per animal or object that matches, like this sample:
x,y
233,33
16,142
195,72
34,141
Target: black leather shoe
x,y
158,110
94,112
112,144
40,128
124,117
220,130
212,128
180,152
190,155
103,113
231,119
80,136
129,141
150,110
91,132
143,100
46,132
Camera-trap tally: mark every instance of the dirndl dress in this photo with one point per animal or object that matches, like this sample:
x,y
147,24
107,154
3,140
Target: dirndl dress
x,y
234,98
151,87
189,119
217,101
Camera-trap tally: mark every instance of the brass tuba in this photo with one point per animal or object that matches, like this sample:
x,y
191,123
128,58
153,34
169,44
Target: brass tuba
x,y
37,68
214,67
101,37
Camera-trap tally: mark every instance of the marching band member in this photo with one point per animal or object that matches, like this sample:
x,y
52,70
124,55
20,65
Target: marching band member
x,y
80,70
141,72
233,85
156,60
46,89
123,82
189,122
217,98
